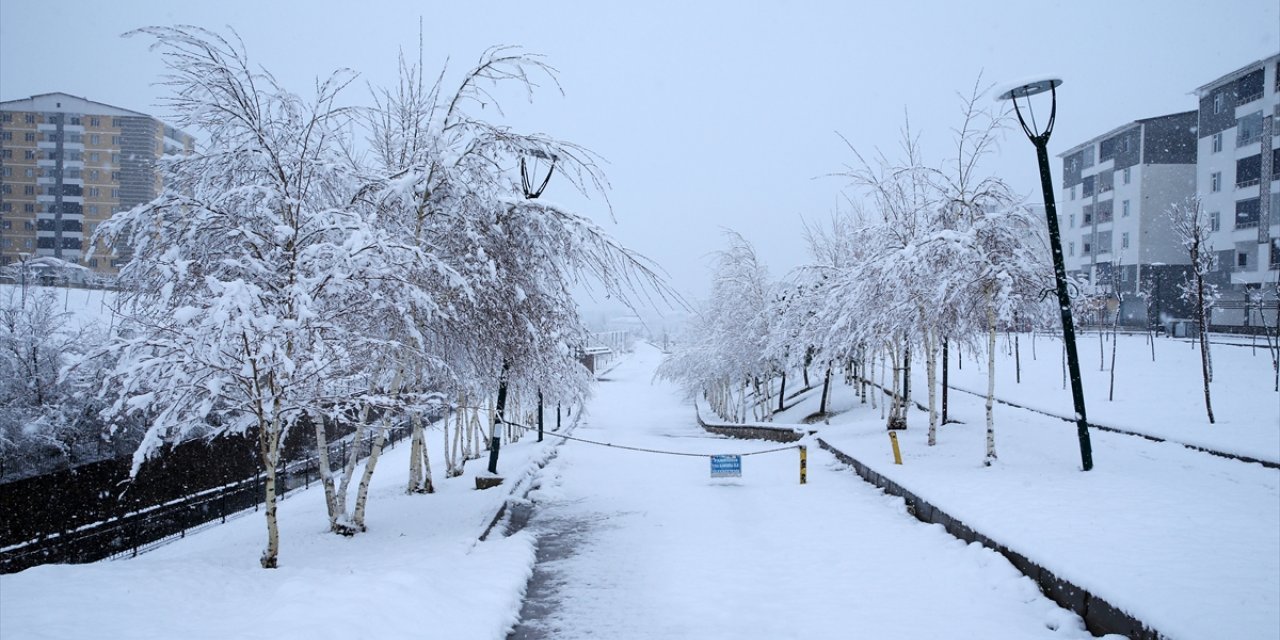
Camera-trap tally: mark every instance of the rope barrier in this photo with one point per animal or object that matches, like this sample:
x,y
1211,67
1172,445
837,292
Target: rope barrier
x,y
644,450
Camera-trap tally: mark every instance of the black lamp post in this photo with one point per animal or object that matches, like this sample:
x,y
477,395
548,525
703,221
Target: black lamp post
x,y
1041,141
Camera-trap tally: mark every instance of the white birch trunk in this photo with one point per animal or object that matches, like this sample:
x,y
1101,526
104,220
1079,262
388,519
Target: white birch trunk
x,y
362,492
326,472
415,457
269,450
991,379
931,370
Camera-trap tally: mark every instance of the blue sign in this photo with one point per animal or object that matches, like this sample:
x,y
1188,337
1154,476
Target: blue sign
x,y
726,466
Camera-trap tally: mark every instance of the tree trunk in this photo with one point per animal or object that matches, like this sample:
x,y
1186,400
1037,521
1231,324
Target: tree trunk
x,y
325,471
1205,366
991,380
782,393
415,457
1115,326
269,453
946,366
826,390
931,371
362,492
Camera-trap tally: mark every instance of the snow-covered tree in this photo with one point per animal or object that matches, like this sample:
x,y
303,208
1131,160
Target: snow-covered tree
x,y
262,290
1193,227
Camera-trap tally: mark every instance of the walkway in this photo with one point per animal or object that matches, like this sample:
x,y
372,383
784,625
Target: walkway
x,y
637,545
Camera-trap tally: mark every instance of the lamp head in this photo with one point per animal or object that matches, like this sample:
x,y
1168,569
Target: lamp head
x,y
1030,89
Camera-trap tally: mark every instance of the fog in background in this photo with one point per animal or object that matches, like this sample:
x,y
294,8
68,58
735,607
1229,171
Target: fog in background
x,y
711,115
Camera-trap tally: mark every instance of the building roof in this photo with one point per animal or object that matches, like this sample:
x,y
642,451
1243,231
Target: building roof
x,y
67,103
1121,128
1234,75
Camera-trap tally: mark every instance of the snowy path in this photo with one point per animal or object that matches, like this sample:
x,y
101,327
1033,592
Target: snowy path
x,y
639,545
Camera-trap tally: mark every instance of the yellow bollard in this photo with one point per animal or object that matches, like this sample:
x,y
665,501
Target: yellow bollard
x,y
804,464
897,454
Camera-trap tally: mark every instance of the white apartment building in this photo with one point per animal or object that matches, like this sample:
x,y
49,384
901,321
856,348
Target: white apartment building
x,y
1112,213
1238,182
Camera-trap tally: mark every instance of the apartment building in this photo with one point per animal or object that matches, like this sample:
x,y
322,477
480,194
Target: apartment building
x,y
1238,182
1112,213
67,164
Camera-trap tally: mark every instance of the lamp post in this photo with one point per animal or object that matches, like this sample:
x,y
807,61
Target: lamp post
x,y
1040,138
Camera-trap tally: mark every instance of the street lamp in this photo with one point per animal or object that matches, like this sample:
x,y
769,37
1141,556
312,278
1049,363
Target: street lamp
x,y
1040,138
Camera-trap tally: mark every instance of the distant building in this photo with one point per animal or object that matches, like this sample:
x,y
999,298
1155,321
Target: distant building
x,y
1112,213
67,164
1237,179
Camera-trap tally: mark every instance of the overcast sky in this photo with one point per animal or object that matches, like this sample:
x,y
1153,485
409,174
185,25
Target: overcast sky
x,y
711,115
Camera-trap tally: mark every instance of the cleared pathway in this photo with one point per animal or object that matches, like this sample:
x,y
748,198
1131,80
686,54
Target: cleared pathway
x,y
640,545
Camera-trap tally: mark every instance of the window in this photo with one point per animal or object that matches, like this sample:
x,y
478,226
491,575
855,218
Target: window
x,y
1073,192
1086,157
95,157
6,189
1248,171
115,176
94,192
1087,186
1124,209
6,117
1087,218
1242,260
1215,221
115,141
6,207
29,172
7,153
1126,175
1071,248
1084,248
29,136
115,193
1104,211
95,122
1219,102
95,139
1071,221
75,120
6,135
6,171
93,209
1275,254
1215,181
1102,242
28,154
28,190
1124,240
28,208
30,118
1247,213
93,174
1249,129
1217,142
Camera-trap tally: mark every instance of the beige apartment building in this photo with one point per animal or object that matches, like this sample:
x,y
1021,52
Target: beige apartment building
x,y
66,165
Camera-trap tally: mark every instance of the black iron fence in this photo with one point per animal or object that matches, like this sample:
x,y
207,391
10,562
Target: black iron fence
x,y
95,511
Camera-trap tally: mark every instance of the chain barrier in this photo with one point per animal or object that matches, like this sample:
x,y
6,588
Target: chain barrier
x,y
644,450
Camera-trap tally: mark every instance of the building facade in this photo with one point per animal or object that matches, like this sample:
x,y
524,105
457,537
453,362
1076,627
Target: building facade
x,y
1112,213
1237,179
66,165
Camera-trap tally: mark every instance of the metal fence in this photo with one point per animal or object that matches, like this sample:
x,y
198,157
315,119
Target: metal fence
x,y
96,512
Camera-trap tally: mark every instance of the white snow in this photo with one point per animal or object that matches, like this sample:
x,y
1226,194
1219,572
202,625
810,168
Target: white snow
x,y
1185,541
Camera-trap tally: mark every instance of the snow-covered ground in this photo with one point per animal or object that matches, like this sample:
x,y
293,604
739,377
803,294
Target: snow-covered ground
x,y
418,572
661,550
1185,541
1164,397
